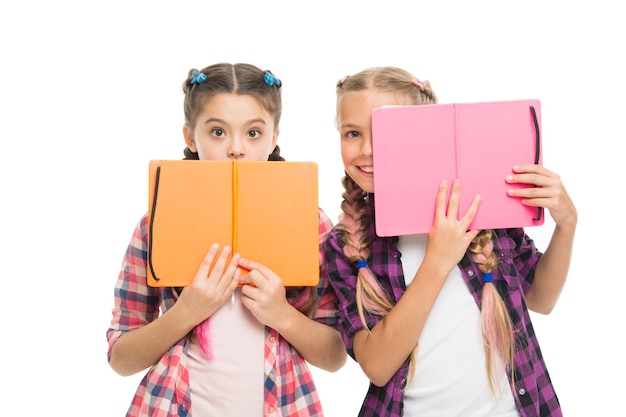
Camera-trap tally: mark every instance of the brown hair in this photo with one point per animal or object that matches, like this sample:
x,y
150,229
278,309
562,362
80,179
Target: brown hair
x,y
239,79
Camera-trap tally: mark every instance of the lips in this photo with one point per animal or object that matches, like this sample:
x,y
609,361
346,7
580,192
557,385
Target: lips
x,y
367,169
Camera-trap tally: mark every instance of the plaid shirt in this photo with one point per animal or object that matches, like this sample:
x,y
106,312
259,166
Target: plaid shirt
x,y
164,391
533,391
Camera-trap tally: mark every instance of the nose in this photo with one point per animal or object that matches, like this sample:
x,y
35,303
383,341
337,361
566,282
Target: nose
x,y
235,150
366,145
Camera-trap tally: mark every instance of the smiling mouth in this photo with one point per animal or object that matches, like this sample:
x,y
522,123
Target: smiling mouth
x,y
367,169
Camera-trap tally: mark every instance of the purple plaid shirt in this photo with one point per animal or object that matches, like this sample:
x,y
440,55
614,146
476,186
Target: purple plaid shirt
x,y
518,256
164,391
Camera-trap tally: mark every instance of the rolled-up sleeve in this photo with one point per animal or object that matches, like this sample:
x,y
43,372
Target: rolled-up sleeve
x,y
135,303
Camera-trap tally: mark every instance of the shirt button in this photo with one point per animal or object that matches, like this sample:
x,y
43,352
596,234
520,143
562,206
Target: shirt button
x,y
522,391
271,375
272,339
470,273
271,410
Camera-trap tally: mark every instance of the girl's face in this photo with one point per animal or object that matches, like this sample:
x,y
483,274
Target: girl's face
x,y
354,120
232,127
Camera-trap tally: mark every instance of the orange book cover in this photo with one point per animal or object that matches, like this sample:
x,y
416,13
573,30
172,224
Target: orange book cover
x,y
266,211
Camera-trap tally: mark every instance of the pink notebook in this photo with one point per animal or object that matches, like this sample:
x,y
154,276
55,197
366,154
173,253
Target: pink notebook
x,y
415,147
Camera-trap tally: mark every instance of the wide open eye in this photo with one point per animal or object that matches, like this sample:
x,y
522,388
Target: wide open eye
x,y
254,134
217,132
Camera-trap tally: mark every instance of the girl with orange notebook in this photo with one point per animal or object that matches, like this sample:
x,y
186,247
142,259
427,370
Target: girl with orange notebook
x,y
226,344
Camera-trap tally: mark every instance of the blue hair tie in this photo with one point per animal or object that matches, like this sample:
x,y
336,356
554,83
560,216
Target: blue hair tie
x,y
361,264
271,80
197,78
487,277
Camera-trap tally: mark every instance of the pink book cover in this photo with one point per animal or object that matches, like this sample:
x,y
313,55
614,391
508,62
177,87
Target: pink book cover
x,y
416,147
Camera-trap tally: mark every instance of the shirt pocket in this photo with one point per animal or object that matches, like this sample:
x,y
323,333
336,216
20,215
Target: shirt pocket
x,y
505,251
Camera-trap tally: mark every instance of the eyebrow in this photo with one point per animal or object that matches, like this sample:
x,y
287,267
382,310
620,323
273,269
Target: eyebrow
x,y
257,120
249,122
213,119
349,126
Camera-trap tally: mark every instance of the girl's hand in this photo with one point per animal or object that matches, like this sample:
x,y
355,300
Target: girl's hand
x,y
211,287
548,192
449,237
265,298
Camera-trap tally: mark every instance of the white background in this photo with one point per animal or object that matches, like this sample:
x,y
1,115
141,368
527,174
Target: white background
x,y
91,91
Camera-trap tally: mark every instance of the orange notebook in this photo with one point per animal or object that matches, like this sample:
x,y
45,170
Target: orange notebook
x,y
266,211
415,147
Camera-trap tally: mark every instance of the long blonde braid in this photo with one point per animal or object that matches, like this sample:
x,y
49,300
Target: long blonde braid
x,y
496,325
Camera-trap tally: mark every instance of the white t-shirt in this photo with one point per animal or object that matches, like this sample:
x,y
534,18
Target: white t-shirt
x,y
450,376
231,384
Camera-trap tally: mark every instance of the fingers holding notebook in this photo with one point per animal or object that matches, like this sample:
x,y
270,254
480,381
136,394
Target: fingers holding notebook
x,y
216,280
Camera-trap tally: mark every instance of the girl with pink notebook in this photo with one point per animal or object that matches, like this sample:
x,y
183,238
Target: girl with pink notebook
x,y
439,321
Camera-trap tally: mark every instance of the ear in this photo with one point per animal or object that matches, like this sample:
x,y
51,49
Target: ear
x,y
275,139
189,139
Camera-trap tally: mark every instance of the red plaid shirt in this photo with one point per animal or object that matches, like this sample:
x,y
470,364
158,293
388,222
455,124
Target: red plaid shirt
x,y
164,391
